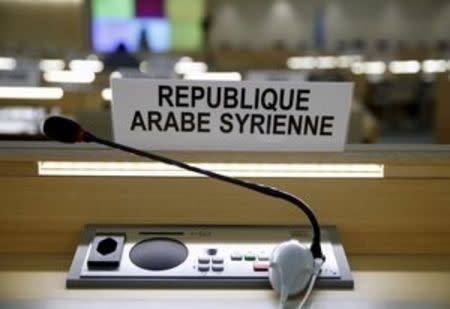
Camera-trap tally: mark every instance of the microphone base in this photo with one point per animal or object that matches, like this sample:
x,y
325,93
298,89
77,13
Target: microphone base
x,y
117,256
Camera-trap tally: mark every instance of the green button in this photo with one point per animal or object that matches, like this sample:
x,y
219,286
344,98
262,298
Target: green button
x,y
250,257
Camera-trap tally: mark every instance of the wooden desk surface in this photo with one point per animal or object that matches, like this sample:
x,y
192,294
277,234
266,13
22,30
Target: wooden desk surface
x,y
380,282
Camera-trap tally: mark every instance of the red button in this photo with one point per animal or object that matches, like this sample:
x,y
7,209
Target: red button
x,y
261,266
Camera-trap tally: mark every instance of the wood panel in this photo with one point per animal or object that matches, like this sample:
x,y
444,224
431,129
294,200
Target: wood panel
x,y
390,155
374,216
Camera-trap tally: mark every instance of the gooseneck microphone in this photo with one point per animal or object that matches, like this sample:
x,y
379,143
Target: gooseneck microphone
x,y
68,131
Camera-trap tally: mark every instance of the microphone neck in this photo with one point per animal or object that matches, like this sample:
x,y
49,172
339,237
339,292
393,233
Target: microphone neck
x,y
266,190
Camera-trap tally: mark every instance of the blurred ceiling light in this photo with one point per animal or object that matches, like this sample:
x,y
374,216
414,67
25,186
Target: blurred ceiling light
x,y
107,94
18,127
369,68
346,61
186,67
327,62
91,65
226,76
51,65
156,169
404,67
358,68
75,77
301,63
143,66
185,59
115,74
7,64
92,57
434,66
22,113
375,67
36,93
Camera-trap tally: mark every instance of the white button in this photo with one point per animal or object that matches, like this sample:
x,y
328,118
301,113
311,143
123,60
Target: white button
x,y
236,257
217,260
204,260
203,267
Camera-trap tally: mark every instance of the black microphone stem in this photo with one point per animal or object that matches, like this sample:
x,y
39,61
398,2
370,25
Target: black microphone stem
x,y
266,190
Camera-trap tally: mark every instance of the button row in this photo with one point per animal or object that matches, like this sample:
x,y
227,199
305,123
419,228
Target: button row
x,y
249,257
203,267
204,263
257,266
207,260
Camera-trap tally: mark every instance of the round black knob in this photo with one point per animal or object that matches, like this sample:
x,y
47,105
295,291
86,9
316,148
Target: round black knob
x,y
158,253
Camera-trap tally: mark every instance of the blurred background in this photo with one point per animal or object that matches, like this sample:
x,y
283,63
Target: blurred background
x,y
57,56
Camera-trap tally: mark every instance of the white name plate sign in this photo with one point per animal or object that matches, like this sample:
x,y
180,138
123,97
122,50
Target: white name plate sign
x,y
231,116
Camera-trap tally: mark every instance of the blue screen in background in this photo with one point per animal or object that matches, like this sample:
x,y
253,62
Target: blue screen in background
x,y
158,34
107,34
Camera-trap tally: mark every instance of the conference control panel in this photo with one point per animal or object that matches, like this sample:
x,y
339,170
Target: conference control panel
x,y
120,256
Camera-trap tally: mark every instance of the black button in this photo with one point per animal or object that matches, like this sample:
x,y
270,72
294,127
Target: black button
x,y
212,251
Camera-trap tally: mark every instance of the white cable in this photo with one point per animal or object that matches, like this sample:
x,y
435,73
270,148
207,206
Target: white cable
x,y
283,298
283,290
317,266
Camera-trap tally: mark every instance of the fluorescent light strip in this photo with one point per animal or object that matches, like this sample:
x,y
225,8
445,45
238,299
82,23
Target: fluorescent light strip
x,y
263,170
435,66
345,61
7,64
51,65
375,67
369,67
92,65
322,62
36,93
327,62
71,77
301,63
230,76
404,67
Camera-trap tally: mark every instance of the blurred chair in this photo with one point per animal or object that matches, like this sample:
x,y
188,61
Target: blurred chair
x,y
363,126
